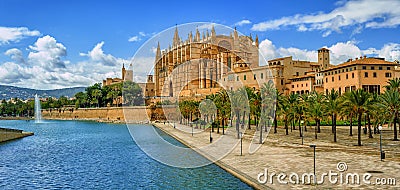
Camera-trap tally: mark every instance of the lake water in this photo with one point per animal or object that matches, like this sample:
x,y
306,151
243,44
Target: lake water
x,y
90,155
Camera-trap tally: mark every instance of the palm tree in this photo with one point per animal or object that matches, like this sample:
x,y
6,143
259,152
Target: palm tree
x,y
347,111
358,100
268,102
315,108
293,101
393,84
279,98
96,93
390,101
224,108
333,108
285,112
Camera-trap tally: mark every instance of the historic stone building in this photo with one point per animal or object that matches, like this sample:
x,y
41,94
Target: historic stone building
x,y
193,67
127,75
203,65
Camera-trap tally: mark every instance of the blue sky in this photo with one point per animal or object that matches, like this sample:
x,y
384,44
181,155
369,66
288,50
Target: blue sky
x,y
56,44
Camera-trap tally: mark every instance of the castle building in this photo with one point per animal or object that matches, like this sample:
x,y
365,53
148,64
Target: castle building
x,y
127,75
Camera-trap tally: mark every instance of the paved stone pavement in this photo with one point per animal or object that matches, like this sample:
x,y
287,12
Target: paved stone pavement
x,y
293,160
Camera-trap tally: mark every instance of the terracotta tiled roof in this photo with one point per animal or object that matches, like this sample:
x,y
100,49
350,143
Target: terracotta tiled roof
x,y
362,61
303,76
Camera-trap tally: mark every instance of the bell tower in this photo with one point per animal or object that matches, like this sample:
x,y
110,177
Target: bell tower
x,y
323,58
123,71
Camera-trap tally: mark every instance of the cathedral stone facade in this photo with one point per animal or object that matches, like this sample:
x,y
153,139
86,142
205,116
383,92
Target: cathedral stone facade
x,y
195,66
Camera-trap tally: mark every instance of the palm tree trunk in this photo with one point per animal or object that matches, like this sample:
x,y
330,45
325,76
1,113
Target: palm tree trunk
x,y
315,129
351,124
286,127
334,128
276,124
249,122
369,127
244,115
359,129
300,129
237,121
223,126
319,129
395,128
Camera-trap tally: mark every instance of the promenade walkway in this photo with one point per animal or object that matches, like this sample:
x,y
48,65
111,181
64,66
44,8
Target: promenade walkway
x,y
294,159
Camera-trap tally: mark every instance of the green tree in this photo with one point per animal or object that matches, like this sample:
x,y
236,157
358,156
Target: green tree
x,y
333,109
133,94
358,100
390,101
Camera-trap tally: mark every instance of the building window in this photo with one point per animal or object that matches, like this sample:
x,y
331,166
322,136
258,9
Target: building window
x,y
292,86
347,69
364,67
340,91
347,76
380,68
326,80
388,75
306,84
374,74
237,78
339,77
366,74
254,88
301,85
351,69
297,73
244,77
352,75
355,68
281,81
387,68
372,68
255,77
297,85
333,79
262,75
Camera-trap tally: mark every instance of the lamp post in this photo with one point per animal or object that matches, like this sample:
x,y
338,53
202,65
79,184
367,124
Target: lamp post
x,y
241,143
301,129
315,176
380,142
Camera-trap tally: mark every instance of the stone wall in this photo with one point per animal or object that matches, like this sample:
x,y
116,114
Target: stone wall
x,y
121,114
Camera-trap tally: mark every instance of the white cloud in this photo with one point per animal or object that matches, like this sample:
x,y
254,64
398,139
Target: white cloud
x,y
367,13
16,55
48,53
134,39
97,55
14,34
242,22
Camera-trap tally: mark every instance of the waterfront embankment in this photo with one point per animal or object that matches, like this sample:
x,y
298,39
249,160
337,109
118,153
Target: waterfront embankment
x,y
12,134
131,114
288,160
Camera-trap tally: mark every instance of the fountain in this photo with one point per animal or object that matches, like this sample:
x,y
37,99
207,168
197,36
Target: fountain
x,y
38,113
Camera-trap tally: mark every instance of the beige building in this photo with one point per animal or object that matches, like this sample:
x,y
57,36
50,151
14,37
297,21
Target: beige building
x,y
370,74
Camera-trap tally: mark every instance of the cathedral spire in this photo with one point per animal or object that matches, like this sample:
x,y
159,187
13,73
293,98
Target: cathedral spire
x,y
235,34
256,40
197,38
158,52
176,40
213,31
